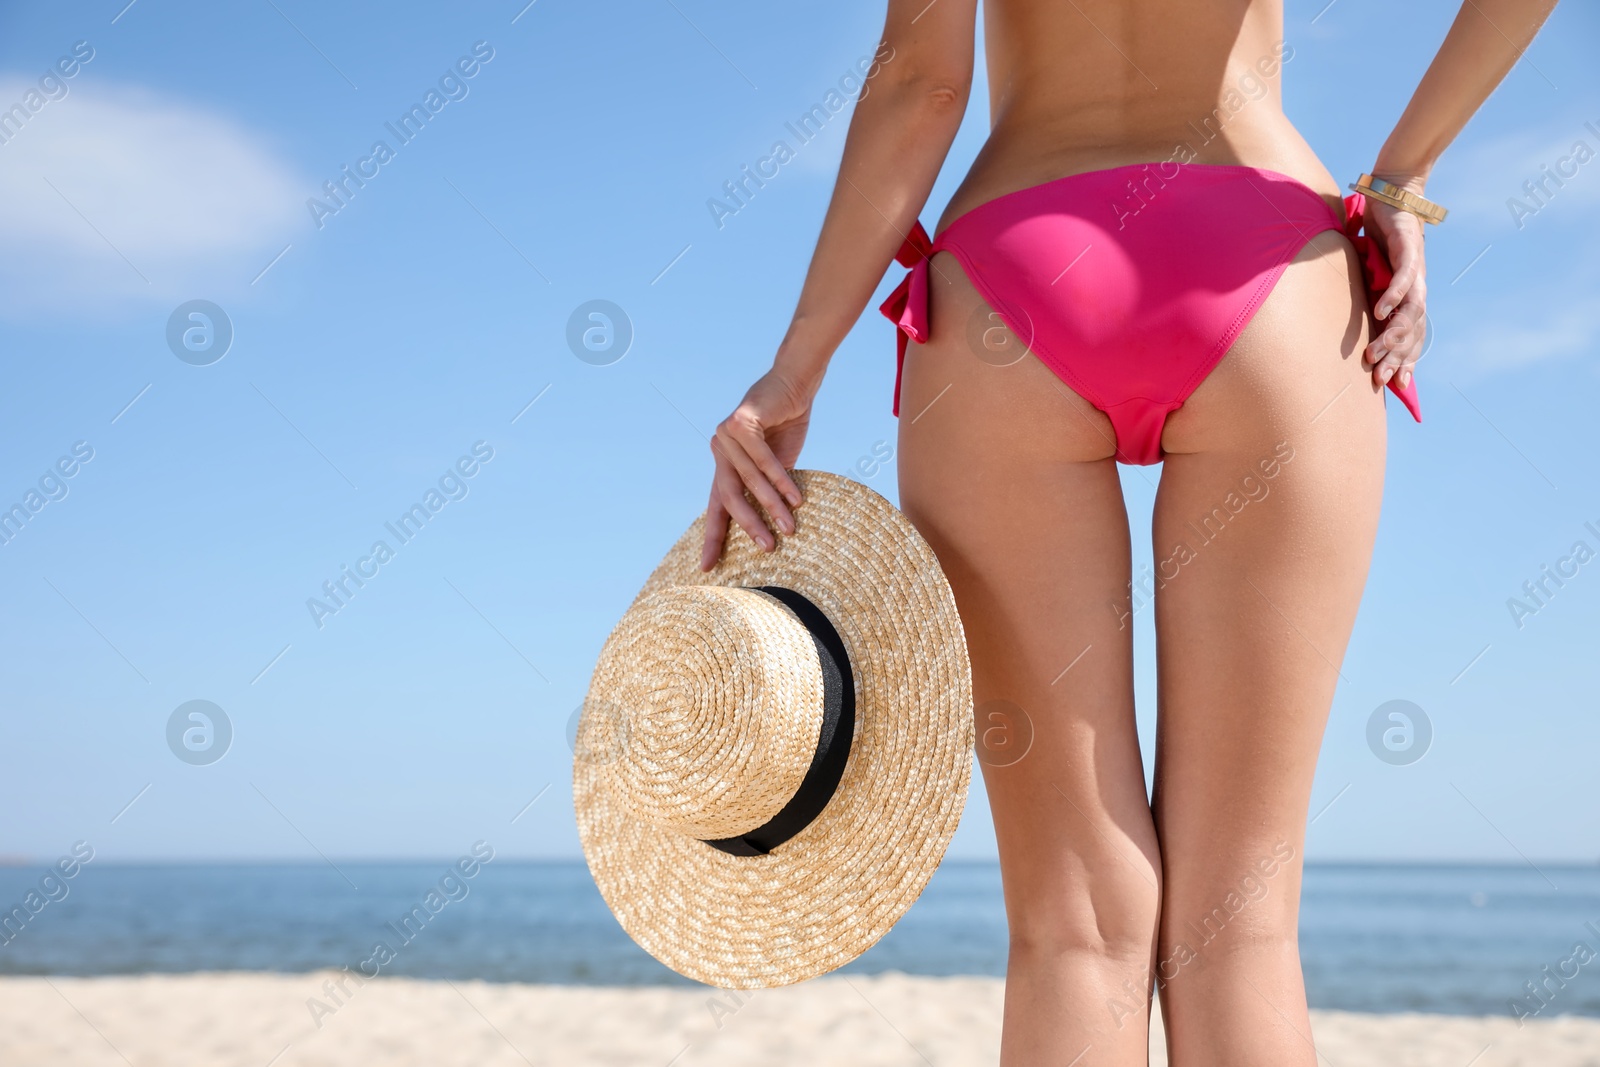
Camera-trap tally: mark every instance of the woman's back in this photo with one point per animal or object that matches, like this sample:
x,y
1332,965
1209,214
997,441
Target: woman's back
x,y
1077,85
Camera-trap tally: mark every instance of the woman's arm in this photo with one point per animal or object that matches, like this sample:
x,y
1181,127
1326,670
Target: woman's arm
x,y
904,121
1485,41
1483,44
899,135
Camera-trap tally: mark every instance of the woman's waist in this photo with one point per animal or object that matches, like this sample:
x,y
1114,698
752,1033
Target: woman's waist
x,y
1018,156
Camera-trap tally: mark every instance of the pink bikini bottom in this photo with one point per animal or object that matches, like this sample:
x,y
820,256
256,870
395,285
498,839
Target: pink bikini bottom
x,y
1132,283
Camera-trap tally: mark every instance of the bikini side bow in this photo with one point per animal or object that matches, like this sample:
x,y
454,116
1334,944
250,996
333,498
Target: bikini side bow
x,y
907,306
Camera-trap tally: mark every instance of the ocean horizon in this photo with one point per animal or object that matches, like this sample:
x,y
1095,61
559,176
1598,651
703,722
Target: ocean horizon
x,y
1450,938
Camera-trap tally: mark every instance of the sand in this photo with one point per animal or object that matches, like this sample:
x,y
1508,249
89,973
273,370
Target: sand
x,y
262,1020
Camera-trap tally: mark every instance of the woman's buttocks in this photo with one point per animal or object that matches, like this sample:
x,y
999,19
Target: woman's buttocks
x,y
1093,84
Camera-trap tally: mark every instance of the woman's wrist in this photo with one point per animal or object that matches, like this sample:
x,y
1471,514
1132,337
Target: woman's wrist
x,y
1409,174
801,361
802,372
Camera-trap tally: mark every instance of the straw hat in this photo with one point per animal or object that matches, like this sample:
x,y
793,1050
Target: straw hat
x,y
720,717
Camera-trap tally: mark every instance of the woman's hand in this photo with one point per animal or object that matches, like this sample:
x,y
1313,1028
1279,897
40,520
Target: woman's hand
x,y
1402,309
753,447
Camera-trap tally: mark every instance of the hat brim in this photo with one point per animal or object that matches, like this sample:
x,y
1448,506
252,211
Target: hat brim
x,y
828,894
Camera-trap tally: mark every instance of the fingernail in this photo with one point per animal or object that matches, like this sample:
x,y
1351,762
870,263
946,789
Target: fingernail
x,y
1405,378
793,499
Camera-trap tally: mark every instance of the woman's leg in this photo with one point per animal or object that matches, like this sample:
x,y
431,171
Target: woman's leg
x,y
1264,525
1009,476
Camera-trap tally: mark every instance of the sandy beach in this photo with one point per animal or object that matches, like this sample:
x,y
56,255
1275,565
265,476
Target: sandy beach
x,y
256,1020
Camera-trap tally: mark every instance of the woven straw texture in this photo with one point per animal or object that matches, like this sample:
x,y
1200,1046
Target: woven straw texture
x,y
648,776
724,692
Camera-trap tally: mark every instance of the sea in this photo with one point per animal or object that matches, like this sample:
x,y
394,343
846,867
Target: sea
x,y
1463,940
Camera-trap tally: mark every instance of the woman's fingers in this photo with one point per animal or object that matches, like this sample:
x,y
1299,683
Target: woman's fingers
x,y
740,443
772,467
1387,350
716,532
1406,274
1397,348
1403,245
729,502
773,415
730,491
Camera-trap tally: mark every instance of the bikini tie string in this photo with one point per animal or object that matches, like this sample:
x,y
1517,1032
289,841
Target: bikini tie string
x,y
1378,274
907,306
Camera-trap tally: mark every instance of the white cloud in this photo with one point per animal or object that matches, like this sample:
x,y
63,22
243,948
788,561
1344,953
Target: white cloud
x,y
188,196
1484,177
1509,336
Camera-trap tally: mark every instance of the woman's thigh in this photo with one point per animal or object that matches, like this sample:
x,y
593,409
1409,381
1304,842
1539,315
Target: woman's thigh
x,y
1009,476
1263,530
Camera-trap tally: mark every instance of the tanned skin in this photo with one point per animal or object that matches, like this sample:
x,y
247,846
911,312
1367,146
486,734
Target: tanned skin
x,y
1010,477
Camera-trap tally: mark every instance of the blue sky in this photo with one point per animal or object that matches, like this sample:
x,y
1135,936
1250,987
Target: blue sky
x,y
372,353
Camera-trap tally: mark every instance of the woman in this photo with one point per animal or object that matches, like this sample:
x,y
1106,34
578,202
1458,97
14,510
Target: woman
x,y
1206,311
